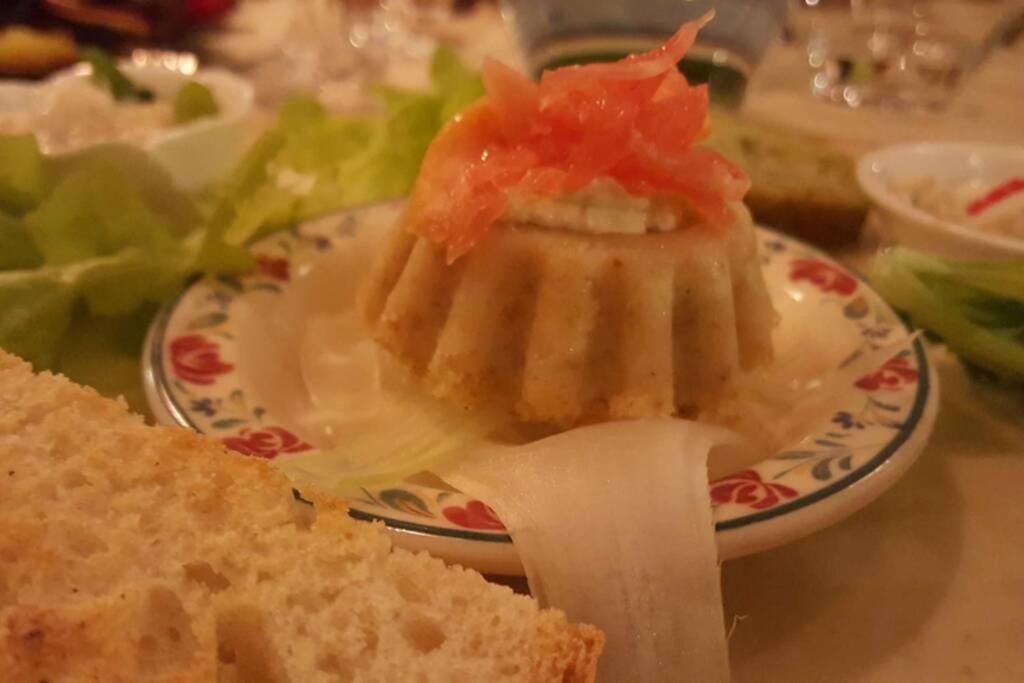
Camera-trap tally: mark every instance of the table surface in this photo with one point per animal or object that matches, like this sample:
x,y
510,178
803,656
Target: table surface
x,y
927,583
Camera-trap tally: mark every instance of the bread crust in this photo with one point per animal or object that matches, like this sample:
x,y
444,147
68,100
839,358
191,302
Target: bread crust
x,y
28,52
152,554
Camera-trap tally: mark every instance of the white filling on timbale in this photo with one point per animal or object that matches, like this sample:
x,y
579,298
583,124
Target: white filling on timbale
x,y
602,207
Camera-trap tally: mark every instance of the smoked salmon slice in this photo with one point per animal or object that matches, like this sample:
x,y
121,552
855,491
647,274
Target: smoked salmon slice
x,y
636,121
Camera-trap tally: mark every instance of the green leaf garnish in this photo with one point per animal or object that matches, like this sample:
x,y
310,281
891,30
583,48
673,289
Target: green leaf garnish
x,y
113,233
17,250
106,73
22,173
194,101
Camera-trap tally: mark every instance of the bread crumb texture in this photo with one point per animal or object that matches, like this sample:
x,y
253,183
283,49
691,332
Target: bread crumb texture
x,y
144,554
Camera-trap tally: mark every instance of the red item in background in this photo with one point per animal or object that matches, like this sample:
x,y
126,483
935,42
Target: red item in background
x,y
202,11
1004,191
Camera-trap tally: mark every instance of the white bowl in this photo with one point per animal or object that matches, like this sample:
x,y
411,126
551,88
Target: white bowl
x,y
195,154
906,224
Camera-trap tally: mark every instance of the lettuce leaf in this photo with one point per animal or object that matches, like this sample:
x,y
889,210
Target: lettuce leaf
x,y
36,306
458,85
313,163
22,173
17,250
114,201
193,102
138,172
107,230
112,232
94,211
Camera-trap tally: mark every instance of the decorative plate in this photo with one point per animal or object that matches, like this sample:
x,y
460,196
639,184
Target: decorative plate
x,y
199,353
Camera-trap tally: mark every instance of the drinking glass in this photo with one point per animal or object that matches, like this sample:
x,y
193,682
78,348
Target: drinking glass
x,y
553,33
910,53
403,28
335,47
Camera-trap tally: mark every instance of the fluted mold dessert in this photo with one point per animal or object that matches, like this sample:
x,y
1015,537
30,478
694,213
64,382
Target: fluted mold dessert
x,y
568,328
572,253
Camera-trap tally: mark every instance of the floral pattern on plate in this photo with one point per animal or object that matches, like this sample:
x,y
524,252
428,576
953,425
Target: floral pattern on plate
x,y
193,365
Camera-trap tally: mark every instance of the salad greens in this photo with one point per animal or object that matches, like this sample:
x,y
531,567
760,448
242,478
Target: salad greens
x,y
313,163
18,250
22,180
193,102
976,307
105,231
106,73
111,231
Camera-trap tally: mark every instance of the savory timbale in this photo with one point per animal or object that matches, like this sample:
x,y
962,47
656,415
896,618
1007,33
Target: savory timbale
x,y
571,253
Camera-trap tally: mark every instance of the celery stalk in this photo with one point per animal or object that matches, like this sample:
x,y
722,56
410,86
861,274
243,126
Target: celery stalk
x,y
976,307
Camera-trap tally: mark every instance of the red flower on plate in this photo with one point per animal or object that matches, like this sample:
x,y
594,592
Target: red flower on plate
x,y
897,372
267,442
194,358
274,268
475,515
747,488
824,276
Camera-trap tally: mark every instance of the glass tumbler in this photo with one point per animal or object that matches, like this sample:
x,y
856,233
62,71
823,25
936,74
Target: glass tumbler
x,y
909,53
553,33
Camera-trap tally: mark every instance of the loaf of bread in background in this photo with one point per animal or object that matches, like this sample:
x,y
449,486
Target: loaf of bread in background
x,y
800,184
143,554
27,52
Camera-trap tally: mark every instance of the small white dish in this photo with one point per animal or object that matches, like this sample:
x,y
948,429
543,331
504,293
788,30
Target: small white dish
x,y
903,223
222,360
194,154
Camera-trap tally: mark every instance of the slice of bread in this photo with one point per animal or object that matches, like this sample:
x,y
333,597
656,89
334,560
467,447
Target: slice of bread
x,y
145,554
799,184
32,53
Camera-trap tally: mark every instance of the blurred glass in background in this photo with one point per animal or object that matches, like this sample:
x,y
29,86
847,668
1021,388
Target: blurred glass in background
x,y
553,33
906,53
335,48
404,27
